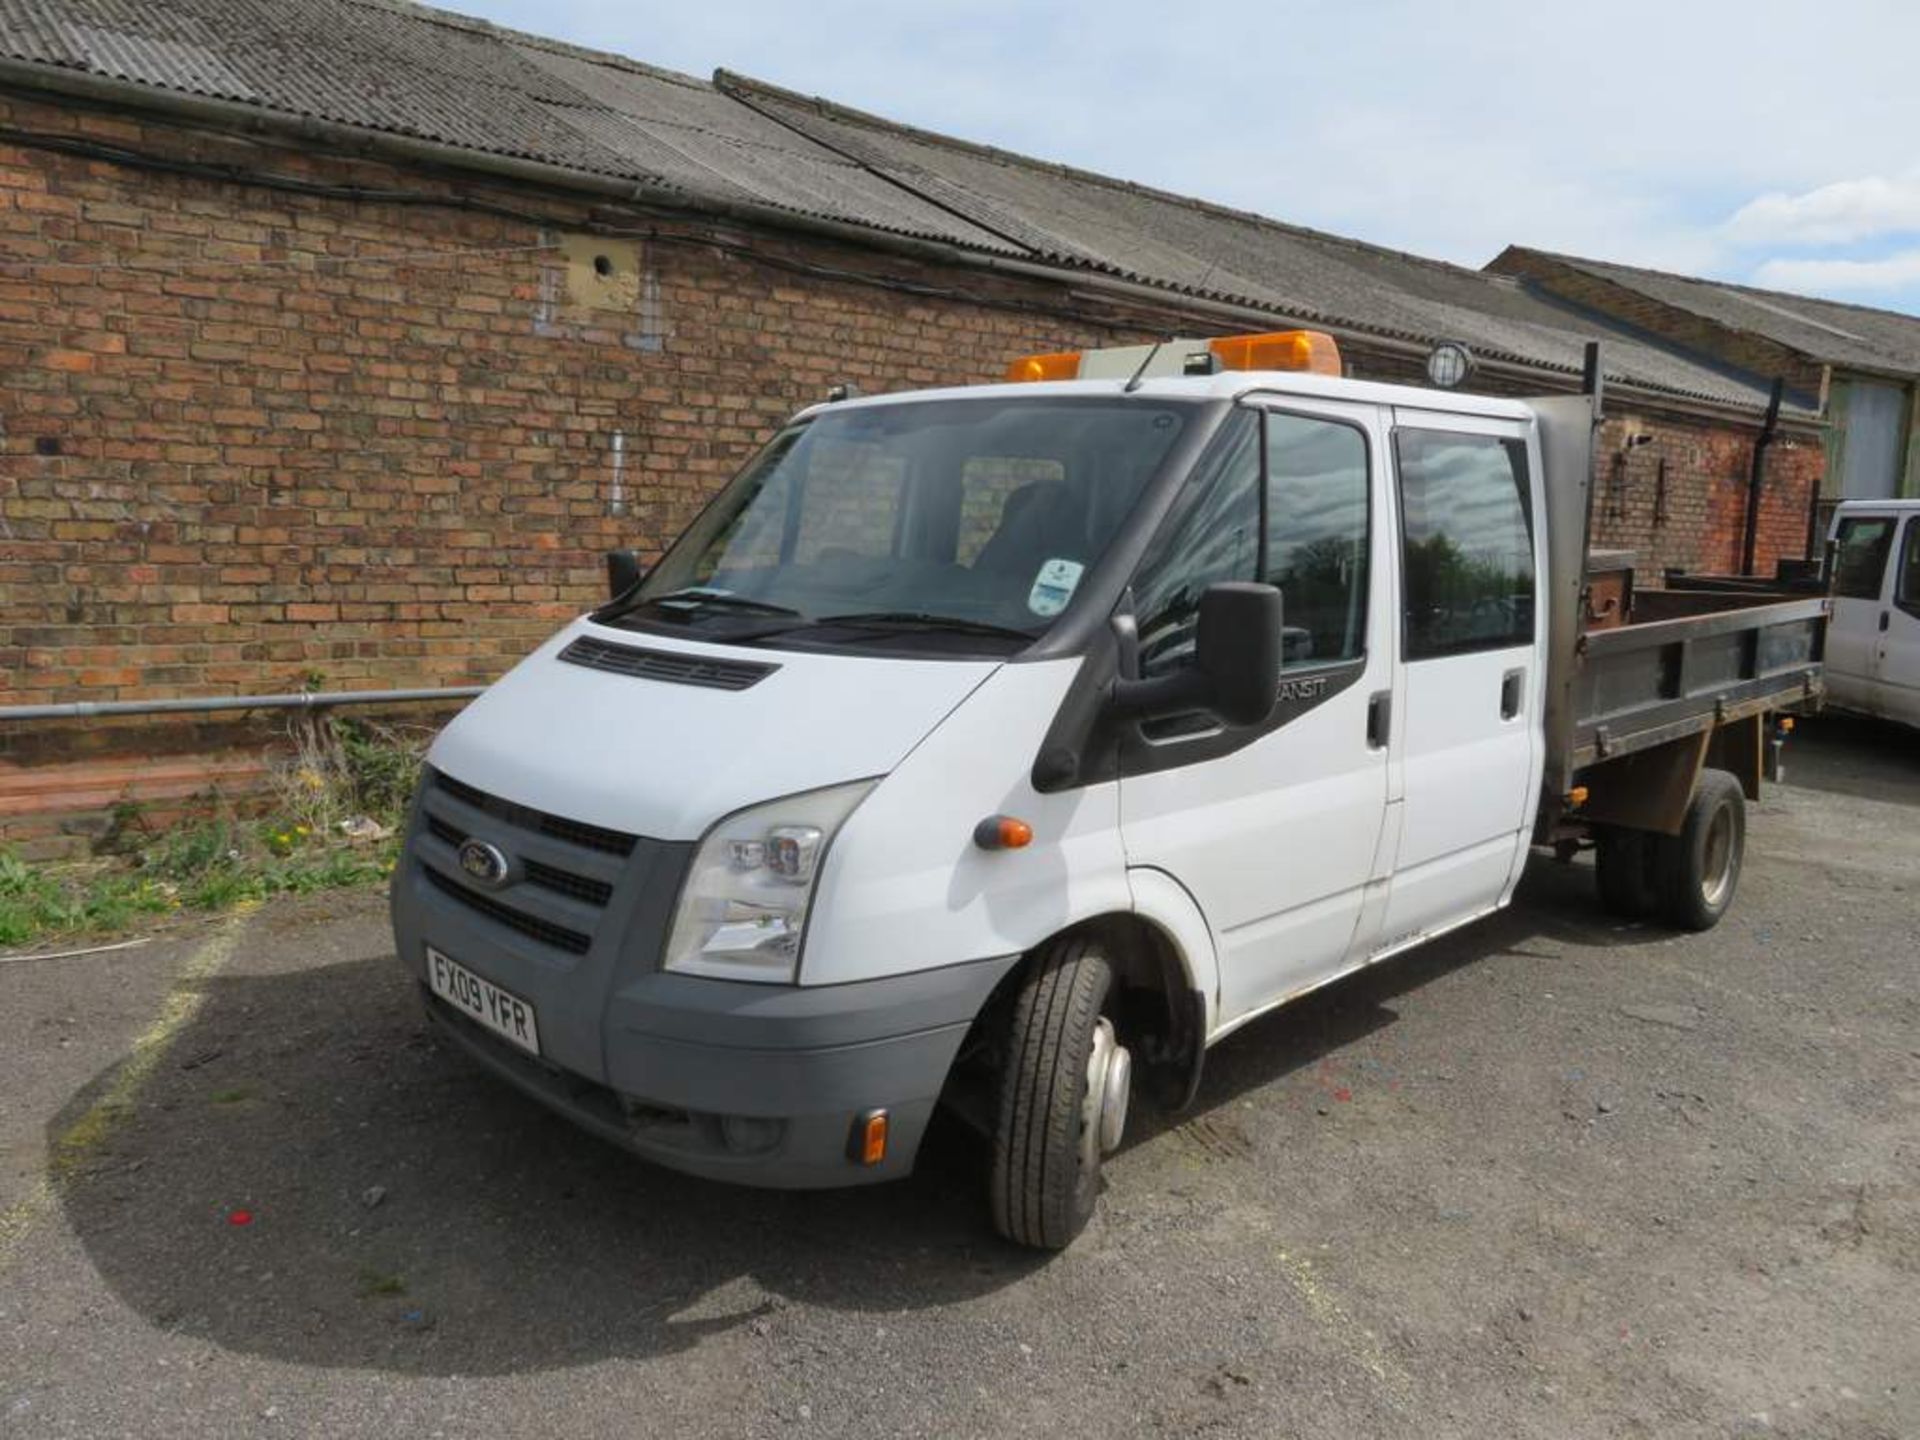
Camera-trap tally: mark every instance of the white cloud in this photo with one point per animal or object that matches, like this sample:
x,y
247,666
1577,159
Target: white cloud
x,y
1887,275
1843,213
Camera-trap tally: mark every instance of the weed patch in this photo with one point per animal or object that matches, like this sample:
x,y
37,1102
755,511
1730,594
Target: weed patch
x,y
341,795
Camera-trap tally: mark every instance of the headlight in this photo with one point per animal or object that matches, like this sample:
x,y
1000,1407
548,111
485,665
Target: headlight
x,y
744,909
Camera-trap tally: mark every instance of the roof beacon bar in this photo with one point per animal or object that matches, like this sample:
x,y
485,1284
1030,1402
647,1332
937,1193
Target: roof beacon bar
x,y
1311,351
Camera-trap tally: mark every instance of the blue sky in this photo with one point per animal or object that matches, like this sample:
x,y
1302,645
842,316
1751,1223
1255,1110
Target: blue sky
x,y
1776,144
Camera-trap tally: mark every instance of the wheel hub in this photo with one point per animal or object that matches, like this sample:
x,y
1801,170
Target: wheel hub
x,y
1716,871
1109,1089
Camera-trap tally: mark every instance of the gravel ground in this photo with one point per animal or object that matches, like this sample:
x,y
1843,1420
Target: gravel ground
x,y
1552,1177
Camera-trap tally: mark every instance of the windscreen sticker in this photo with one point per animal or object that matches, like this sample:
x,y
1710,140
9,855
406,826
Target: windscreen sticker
x,y
1054,586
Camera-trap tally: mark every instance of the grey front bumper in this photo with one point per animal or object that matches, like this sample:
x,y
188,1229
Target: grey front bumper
x,y
757,1084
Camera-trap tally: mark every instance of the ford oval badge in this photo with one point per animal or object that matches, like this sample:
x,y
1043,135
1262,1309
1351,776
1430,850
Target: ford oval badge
x,y
484,863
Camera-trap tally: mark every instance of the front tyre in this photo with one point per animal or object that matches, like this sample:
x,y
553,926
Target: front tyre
x,y
1064,1085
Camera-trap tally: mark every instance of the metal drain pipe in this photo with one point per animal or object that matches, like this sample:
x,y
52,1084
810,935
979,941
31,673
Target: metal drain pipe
x,y
1757,477
207,705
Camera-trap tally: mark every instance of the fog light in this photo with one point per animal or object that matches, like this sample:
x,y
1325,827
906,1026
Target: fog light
x,y
750,1134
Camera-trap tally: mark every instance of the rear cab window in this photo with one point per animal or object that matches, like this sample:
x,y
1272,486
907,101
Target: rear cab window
x,y
1467,542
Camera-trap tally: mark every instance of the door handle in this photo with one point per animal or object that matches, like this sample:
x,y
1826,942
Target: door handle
x,y
1510,693
1886,618
1379,719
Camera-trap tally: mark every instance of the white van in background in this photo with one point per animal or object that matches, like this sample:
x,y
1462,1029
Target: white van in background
x,y
1873,641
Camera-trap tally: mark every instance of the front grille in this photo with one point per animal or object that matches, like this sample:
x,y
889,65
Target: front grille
x,y
576,832
565,882
672,666
547,877
561,937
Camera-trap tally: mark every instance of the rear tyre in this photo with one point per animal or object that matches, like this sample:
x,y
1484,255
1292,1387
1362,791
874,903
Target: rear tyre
x,y
1700,867
1624,865
1063,1097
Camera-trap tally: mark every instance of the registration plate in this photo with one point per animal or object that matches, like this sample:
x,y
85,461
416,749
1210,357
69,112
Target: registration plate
x,y
501,1011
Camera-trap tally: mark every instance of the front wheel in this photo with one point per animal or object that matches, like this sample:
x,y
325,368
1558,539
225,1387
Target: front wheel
x,y
1064,1085
1700,867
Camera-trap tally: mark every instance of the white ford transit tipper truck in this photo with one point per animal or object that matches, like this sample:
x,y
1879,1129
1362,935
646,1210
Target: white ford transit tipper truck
x,y
991,745
1873,654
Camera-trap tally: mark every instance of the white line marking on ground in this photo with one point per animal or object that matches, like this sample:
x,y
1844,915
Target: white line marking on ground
x,y
79,1140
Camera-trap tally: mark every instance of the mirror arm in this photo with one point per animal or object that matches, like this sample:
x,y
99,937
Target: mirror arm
x,y
1185,689
1126,636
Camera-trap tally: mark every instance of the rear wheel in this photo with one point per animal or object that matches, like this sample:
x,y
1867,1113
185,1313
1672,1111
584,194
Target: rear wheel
x,y
1625,866
1700,867
1064,1086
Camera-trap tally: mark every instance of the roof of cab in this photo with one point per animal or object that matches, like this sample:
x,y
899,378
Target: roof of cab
x,y
1225,385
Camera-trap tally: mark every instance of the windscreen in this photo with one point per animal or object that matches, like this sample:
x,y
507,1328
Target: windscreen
x,y
982,512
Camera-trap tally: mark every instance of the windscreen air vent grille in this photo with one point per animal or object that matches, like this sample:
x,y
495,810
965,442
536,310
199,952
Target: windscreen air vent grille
x,y
672,666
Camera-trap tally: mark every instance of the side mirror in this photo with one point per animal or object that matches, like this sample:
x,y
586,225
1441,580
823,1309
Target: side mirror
x,y
1237,655
623,572
1238,647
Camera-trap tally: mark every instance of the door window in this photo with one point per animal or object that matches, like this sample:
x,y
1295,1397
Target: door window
x,y
1860,556
1317,536
1316,543
1906,593
1467,542
1216,538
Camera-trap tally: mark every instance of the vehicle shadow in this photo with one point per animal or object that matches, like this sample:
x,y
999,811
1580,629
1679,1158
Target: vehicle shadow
x,y
1554,908
405,1212
500,1239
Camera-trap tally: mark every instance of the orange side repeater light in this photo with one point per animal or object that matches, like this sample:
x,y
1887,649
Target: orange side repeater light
x,y
1003,832
1061,365
1308,350
870,1136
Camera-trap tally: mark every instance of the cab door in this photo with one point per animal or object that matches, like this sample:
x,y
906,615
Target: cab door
x,y
1274,830
1863,543
1897,666
1472,741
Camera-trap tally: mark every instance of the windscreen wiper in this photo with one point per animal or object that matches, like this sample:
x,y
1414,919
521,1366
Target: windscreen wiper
x,y
921,620
719,600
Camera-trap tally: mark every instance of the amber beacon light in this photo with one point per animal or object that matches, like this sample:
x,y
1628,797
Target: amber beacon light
x,y
1062,365
1309,350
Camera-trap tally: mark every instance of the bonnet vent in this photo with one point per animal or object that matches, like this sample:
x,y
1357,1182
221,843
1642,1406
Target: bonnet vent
x,y
673,666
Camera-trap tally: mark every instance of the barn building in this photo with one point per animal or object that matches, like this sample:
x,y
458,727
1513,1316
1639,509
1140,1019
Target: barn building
x,y
339,338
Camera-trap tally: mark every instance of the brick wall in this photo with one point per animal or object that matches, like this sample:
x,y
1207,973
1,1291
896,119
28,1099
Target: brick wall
x,y
261,440
1695,517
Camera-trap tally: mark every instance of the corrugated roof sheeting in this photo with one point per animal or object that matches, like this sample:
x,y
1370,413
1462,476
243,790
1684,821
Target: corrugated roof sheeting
x,y
403,69
1145,235
417,72
1825,330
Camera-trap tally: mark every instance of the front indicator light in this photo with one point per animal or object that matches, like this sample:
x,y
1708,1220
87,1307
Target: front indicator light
x,y
870,1137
